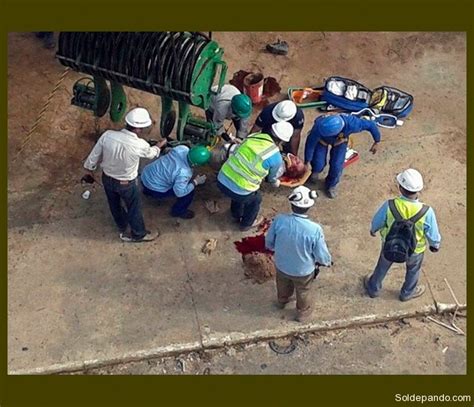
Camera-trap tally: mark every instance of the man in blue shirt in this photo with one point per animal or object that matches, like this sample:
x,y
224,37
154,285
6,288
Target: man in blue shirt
x,y
299,245
334,131
171,175
287,111
410,184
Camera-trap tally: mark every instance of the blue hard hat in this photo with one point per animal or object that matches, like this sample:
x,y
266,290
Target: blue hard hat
x,y
330,126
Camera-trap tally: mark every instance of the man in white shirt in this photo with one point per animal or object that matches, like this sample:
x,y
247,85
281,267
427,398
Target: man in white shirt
x,y
119,153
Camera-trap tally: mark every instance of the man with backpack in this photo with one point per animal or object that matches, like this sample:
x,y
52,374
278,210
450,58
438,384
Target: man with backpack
x,y
406,226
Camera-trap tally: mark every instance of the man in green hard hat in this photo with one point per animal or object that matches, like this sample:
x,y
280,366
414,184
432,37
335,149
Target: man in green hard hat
x,y
172,175
230,104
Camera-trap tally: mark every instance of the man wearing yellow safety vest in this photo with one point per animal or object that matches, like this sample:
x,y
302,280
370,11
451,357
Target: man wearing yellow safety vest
x,y
257,158
406,225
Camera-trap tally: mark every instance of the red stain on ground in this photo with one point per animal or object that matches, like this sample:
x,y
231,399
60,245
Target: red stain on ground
x,y
270,86
255,244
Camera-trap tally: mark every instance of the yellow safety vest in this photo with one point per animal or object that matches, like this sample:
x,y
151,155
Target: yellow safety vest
x,y
407,209
245,166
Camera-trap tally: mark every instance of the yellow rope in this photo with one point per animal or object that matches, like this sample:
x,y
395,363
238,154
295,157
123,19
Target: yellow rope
x,y
41,114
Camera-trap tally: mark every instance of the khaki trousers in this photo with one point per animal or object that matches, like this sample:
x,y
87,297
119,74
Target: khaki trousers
x,y
286,285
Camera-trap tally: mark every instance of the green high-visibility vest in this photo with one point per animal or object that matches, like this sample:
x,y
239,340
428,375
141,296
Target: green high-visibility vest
x,y
407,209
245,166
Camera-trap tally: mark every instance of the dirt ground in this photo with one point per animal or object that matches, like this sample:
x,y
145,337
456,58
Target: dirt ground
x,y
77,293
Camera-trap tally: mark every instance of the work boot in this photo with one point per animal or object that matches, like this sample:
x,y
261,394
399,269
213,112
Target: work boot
x,y
331,193
419,291
366,285
189,214
256,223
150,236
281,305
304,316
278,48
314,178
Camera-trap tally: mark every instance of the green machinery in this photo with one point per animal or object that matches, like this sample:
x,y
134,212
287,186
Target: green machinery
x,y
179,67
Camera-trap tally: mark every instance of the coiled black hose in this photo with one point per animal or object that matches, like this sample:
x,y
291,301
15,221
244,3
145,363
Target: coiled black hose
x,y
161,63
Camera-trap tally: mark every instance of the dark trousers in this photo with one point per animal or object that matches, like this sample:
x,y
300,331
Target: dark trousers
x,y
128,193
336,162
181,205
47,37
243,207
287,285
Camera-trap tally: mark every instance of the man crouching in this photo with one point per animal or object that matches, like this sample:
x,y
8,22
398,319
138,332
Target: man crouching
x,y
299,245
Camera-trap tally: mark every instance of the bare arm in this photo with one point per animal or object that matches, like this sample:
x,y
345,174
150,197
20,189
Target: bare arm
x,y
295,142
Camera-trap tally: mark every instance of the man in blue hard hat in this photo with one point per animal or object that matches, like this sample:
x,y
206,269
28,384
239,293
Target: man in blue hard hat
x,y
334,131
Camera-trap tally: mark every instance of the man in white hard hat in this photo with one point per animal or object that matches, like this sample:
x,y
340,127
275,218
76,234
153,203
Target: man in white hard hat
x,y
284,111
299,246
406,226
255,159
119,153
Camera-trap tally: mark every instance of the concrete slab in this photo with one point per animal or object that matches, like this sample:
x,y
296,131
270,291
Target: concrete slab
x,y
74,299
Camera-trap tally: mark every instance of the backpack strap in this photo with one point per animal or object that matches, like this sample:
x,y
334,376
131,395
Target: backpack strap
x,y
394,210
415,218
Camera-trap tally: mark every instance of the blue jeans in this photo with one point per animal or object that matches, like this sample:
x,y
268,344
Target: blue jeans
x,y
181,205
243,207
413,269
116,192
336,162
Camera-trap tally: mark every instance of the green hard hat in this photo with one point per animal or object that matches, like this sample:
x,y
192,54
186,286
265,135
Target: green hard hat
x,y
241,105
199,155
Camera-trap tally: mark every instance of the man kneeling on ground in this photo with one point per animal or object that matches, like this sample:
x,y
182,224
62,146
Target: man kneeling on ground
x,y
171,175
298,244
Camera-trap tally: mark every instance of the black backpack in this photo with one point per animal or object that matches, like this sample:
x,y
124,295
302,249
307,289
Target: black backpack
x,y
400,242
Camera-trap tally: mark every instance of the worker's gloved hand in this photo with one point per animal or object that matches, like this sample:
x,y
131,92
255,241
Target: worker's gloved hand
x,y
276,183
434,249
373,234
374,147
199,179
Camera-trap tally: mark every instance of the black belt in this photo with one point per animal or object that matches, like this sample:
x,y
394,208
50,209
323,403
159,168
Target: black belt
x,y
121,182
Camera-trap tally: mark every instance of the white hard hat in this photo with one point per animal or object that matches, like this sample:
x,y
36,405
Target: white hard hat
x,y
138,118
284,111
302,197
282,130
411,180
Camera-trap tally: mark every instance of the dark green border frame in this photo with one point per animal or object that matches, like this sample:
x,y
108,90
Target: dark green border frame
x,y
206,15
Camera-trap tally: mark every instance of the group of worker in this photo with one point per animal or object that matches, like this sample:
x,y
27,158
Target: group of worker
x,y
298,242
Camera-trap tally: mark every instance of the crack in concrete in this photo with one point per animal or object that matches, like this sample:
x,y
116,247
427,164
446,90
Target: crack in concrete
x,y
236,338
193,301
